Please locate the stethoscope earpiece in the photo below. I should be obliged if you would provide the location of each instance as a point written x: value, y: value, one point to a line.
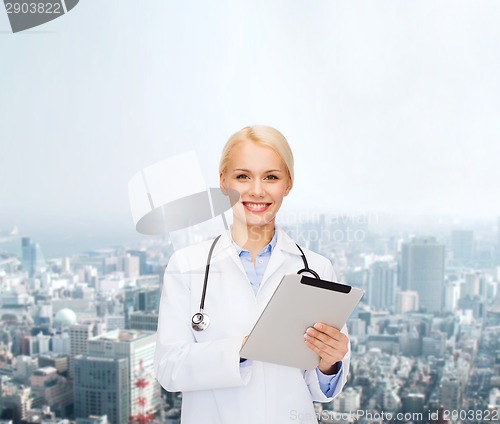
x: 200, y: 319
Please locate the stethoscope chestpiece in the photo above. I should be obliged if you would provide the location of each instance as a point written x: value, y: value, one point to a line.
x: 200, y: 321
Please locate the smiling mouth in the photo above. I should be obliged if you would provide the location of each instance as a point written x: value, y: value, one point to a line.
x: 256, y: 207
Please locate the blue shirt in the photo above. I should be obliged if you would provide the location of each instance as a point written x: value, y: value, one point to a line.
x: 255, y: 272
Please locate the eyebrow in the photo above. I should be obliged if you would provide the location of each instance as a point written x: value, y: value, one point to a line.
x: 266, y: 172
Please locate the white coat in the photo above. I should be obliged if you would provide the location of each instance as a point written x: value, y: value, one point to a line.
x: 205, y: 365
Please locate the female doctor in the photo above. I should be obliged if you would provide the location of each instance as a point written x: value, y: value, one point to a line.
x: 247, y: 263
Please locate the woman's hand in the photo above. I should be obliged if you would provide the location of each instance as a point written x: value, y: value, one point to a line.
x: 329, y: 343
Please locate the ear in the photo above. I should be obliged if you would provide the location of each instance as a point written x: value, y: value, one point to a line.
x: 222, y: 183
x: 289, y: 187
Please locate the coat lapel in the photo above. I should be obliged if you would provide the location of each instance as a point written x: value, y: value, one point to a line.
x: 278, y: 261
x: 224, y: 248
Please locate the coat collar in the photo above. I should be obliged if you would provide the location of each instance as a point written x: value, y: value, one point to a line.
x: 284, y: 243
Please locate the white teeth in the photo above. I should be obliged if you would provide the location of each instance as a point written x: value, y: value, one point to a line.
x: 256, y: 205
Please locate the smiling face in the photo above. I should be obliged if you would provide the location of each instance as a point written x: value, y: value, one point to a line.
x: 261, y: 178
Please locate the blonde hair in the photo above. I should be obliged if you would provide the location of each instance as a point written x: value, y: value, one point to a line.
x: 263, y: 136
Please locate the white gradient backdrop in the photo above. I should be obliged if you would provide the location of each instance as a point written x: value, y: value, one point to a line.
x: 390, y: 106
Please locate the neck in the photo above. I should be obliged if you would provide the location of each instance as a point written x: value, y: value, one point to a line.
x: 252, y: 238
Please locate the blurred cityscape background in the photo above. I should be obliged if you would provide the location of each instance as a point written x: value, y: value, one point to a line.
x: 393, y: 104
x: 77, y: 332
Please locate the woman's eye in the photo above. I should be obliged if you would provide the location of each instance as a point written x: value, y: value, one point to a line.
x: 272, y: 177
x: 241, y: 177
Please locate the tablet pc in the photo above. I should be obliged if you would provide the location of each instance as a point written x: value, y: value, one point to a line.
x: 298, y: 303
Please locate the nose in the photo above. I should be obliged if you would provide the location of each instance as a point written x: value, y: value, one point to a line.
x: 257, y: 189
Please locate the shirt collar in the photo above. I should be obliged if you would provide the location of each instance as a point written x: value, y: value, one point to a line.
x: 268, y: 248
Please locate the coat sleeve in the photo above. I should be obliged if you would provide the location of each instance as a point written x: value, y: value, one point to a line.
x: 181, y: 363
x: 311, y: 376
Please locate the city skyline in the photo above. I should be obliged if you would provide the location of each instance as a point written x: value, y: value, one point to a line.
x: 410, y: 357
x: 391, y: 109
x: 62, y: 242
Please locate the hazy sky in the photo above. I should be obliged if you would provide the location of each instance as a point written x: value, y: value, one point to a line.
x: 389, y: 106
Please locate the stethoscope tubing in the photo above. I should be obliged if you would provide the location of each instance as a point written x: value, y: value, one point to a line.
x: 200, y: 320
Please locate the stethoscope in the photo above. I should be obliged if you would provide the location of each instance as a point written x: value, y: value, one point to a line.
x: 201, y: 320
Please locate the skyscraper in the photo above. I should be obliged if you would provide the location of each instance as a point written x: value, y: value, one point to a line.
x: 138, y: 347
x: 101, y: 386
x: 28, y: 252
x: 32, y: 257
x: 422, y: 270
x: 450, y: 393
x: 79, y: 335
x: 382, y: 285
x: 462, y: 245
x: 142, y: 255
x: 146, y: 299
x: 451, y: 295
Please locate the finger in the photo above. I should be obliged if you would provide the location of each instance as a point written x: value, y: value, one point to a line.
x: 327, y: 338
x: 328, y: 347
x: 311, y: 333
x: 334, y: 349
x: 330, y: 355
x: 328, y: 329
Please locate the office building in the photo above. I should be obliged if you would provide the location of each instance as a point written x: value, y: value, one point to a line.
x: 382, y: 285
x: 57, y: 361
x: 25, y: 367
x: 142, y: 255
x: 422, y: 270
x: 451, y: 295
x: 101, y: 387
x: 65, y: 265
x: 386, y: 343
x: 130, y: 265
x: 114, y: 322
x: 43, y: 314
x: 61, y: 344
x: 410, y: 343
x: 51, y: 389
x: 138, y: 348
x: 450, y: 393
x: 348, y: 400
x: 413, y: 403
x: 144, y: 321
x: 29, y: 345
x: 32, y: 257
x: 43, y: 343
x: 494, y: 398
x: 390, y: 400
x: 79, y: 335
x: 472, y: 285
x: 462, y: 245
x: 16, y: 401
x: 434, y: 345
x: 406, y: 301
x: 146, y: 299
